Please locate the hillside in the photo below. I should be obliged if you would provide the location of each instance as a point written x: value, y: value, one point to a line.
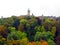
x: 30, y: 30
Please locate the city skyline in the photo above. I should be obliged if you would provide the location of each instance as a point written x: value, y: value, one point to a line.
x: 37, y: 7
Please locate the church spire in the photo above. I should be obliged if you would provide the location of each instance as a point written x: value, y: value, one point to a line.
x: 28, y: 12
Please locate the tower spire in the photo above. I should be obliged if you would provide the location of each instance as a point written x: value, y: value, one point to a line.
x: 28, y: 12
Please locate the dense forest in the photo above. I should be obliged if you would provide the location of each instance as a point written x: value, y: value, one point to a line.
x: 30, y: 30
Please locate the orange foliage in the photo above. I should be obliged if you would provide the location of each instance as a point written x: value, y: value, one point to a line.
x: 44, y: 43
x: 30, y: 43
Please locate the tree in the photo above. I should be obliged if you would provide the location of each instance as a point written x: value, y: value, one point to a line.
x: 33, y: 22
x: 57, y: 40
x: 16, y: 35
x: 11, y: 29
x: 42, y: 29
x: 14, y: 17
x: 24, y: 41
x: 39, y: 21
x: 58, y: 27
x: 53, y: 30
x: 16, y: 24
x: 39, y: 36
x: 49, y: 35
x: 43, y: 36
x: 2, y: 40
x: 21, y: 27
x: 48, y: 24
x: 29, y: 28
x: 8, y: 22
x: 51, y: 42
x: 1, y: 21
x: 38, y: 28
x: 3, y: 31
x: 38, y: 43
x: 23, y: 21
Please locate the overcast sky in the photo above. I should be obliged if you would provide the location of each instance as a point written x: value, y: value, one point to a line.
x: 37, y: 7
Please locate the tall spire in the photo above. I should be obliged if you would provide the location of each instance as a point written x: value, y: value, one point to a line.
x: 28, y: 12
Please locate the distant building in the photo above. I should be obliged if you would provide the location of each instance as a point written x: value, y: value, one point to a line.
x: 28, y: 14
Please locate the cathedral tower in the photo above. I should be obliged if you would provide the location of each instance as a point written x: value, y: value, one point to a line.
x: 28, y: 12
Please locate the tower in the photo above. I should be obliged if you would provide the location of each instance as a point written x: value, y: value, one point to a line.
x: 28, y: 12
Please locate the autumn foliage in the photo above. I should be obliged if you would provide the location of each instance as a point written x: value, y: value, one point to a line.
x: 30, y: 30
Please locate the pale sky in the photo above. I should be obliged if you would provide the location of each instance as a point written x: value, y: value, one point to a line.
x: 37, y: 7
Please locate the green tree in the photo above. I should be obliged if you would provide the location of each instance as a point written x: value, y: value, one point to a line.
x: 1, y: 21
x: 23, y: 21
x: 51, y: 42
x: 11, y: 29
x: 29, y: 28
x: 42, y: 29
x: 8, y: 22
x: 43, y: 36
x: 33, y: 22
x: 16, y: 35
x: 38, y: 28
x: 24, y: 41
x: 47, y: 24
x: 53, y: 30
